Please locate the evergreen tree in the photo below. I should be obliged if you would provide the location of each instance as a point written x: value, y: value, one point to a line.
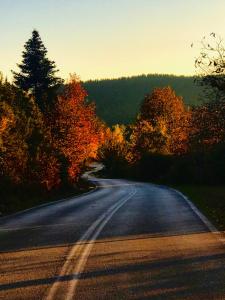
x: 37, y: 73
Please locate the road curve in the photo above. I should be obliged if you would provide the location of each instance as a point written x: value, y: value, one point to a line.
x: 125, y: 240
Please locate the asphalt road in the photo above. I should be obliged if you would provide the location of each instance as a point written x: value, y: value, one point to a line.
x: 125, y: 240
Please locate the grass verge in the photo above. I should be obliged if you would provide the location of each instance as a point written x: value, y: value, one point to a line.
x: 18, y: 198
x: 209, y: 199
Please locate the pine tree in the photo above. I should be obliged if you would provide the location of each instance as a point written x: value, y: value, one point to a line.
x: 37, y: 73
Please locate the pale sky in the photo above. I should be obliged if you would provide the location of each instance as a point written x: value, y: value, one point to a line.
x: 110, y: 38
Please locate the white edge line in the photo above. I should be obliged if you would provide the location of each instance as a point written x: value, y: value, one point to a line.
x: 206, y: 222
x: 201, y: 216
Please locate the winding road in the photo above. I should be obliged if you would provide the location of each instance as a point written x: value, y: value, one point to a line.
x: 124, y: 240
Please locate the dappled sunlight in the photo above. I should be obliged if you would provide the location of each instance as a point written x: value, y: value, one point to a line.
x: 143, y: 266
x: 28, y: 269
x: 129, y: 267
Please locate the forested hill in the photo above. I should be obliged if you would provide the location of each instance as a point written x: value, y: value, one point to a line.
x: 118, y: 100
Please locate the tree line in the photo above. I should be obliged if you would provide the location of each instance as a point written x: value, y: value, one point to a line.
x: 119, y: 100
x: 170, y: 142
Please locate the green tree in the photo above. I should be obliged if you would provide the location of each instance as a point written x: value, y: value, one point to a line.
x: 37, y: 73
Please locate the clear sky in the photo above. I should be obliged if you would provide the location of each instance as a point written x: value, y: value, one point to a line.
x: 110, y: 38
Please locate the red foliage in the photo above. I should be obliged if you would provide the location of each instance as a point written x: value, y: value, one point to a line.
x: 77, y: 132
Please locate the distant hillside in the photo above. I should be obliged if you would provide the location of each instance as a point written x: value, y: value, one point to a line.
x: 118, y: 100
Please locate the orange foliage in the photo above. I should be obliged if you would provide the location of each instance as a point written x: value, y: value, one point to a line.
x: 77, y: 130
x: 163, y: 124
x: 3, y: 124
x: 7, y: 118
x: 40, y: 149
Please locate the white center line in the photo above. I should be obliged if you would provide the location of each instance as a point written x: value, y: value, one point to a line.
x: 85, y: 249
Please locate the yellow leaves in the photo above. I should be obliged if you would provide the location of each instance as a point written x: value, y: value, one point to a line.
x: 162, y: 125
x: 117, y: 134
x: 115, y: 147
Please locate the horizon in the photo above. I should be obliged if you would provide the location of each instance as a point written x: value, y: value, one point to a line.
x: 140, y: 75
x: 104, y: 39
x: 118, y: 78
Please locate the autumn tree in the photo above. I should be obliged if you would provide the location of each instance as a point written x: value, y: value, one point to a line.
x: 46, y: 151
x: 37, y: 73
x: 115, y: 152
x: 162, y: 126
x: 147, y: 139
x: 27, y: 155
x: 75, y: 127
x: 13, y: 147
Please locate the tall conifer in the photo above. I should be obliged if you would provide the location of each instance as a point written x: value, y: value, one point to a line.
x: 37, y: 72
